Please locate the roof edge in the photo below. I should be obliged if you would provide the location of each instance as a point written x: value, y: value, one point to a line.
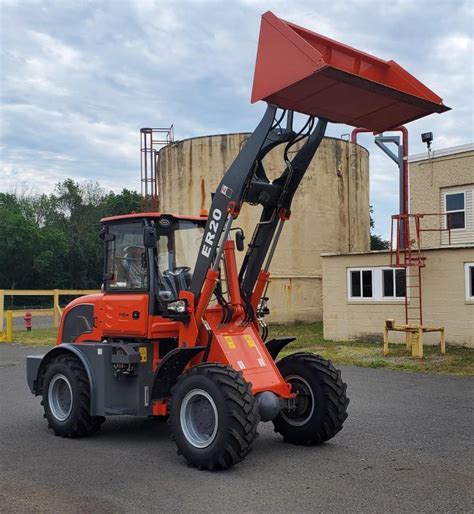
x: 443, y: 152
x: 463, y: 246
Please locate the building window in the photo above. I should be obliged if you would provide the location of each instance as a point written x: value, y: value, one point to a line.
x: 393, y: 283
x: 469, y: 280
x: 376, y: 284
x: 361, y: 283
x: 455, y: 208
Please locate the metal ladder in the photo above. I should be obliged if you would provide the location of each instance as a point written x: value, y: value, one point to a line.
x: 151, y: 141
x: 405, y: 252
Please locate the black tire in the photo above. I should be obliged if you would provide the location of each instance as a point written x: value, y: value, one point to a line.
x: 321, y: 402
x: 213, y: 416
x: 66, y: 379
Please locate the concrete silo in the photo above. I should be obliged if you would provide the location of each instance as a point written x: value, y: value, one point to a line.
x: 330, y: 211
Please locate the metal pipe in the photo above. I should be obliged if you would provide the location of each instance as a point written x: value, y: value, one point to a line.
x: 224, y: 237
x: 289, y: 120
x: 274, y: 243
x: 405, y: 191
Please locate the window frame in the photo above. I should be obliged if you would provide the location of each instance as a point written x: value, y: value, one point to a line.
x: 394, y: 275
x: 468, y: 266
x: 360, y: 298
x: 446, y: 212
x: 377, y: 285
x: 111, y: 290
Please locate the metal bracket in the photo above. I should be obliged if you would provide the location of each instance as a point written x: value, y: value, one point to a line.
x: 381, y: 141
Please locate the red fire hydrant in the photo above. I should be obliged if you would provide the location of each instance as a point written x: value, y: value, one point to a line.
x: 28, y: 321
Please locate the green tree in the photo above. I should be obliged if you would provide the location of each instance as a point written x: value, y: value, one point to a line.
x: 376, y: 241
x: 125, y: 202
x: 52, y: 241
x: 18, y: 242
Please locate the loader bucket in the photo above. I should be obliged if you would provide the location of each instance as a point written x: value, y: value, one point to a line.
x: 300, y: 70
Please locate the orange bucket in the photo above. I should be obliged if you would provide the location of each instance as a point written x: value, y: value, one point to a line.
x: 302, y: 71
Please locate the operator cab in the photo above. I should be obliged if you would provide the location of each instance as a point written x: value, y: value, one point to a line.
x: 151, y: 252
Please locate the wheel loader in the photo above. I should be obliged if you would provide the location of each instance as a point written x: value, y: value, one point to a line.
x: 178, y: 329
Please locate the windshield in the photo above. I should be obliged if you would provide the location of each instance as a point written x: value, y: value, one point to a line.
x: 177, y: 251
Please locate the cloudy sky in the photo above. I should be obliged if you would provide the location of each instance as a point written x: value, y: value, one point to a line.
x: 79, y: 78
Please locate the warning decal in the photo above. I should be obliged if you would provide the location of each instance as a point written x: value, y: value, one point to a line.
x: 249, y: 340
x: 230, y: 342
x: 143, y: 353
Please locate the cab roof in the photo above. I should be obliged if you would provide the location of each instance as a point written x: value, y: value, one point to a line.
x: 143, y: 215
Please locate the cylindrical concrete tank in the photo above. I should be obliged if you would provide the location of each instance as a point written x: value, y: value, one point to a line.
x: 330, y: 210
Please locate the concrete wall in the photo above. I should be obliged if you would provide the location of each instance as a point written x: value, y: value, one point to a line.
x: 449, y: 170
x: 443, y: 294
x: 330, y: 211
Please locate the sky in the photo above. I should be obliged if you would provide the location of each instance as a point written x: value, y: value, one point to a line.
x: 79, y: 78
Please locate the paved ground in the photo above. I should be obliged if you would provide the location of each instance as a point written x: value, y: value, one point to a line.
x: 406, y: 446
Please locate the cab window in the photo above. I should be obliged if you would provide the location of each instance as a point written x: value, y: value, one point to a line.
x: 126, y: 258
x: 177, y: 250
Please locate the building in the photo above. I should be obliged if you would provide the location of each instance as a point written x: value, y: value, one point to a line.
x: 330, y: 212
x: 361, y: 290
x: 444, y: 184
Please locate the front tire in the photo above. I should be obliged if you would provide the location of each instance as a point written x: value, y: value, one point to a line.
x: 321, y: 402
x: 213, y: 416
x: 66, y: 399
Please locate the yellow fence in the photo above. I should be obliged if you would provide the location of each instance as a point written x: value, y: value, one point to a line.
x: 55, y: 311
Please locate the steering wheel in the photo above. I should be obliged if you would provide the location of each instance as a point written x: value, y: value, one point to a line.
x: 178, y: 270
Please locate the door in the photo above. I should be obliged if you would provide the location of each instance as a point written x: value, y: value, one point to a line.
x: 124, y: 309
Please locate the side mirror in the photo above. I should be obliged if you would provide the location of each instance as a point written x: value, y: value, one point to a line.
x: 105, y: 236
x: 149, y: 237
x: 239, y: 240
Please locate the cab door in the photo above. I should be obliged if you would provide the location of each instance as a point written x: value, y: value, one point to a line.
x: 125, y: 306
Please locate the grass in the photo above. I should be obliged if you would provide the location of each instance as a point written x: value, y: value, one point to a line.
x: 457, y: 361
x: 38, y: 336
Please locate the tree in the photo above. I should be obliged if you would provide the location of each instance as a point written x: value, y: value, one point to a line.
x: 125, y: 202
x: 19, y: 240
x: 52, y: 241
x: 376, y: 241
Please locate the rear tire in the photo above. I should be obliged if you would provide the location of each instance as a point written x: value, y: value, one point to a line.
x: 213, y: 416
x: 66, y: 399
x: 321, y: 402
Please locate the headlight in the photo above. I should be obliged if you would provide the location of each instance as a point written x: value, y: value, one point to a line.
x: 178, y: 306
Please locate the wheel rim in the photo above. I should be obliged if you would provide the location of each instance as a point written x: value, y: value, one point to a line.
x: 304, y: 400
x: 60, y: 397
x: 199, y: 418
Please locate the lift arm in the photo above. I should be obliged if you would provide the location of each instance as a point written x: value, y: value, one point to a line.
x: 231, y: 193
x: 246, y: 181
x: 276, y: 211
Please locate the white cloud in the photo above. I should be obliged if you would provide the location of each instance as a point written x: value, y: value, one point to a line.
x: 80, y: 78
x: 55, y: 50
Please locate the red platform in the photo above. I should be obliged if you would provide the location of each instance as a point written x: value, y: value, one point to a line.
x: 303, y: 71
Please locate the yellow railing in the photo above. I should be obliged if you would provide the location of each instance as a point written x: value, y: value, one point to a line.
x: 7, y: 336
x: 55, y: 311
